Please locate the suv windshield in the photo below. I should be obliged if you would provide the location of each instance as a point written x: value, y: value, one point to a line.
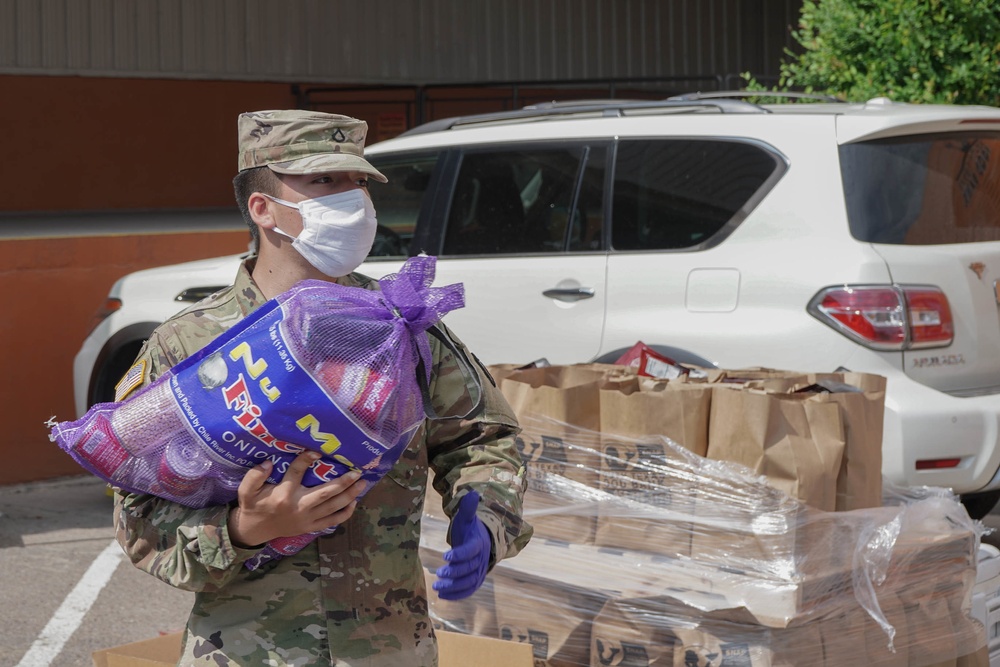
x: 924, y: 190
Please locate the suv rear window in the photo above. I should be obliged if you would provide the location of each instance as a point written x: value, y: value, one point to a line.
x: 923, y: 190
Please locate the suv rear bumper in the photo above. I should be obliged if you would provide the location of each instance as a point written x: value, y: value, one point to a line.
x: 922, y: 423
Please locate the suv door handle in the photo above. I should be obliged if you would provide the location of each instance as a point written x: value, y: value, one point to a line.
x: 569, y: 294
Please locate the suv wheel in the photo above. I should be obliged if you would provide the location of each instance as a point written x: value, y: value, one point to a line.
x: 978, y: 505
x: 675, y: 353
x: 111, y: 370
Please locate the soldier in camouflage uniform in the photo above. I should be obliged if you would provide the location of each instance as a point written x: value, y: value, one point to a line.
x: 357, y: 596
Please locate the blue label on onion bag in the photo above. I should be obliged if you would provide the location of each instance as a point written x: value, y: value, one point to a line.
x: 251, y: 400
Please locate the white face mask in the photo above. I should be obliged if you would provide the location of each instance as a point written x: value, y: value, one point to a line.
x: 337, y: 231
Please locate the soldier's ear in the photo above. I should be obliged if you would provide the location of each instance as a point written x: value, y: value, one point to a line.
x: 260, y: 210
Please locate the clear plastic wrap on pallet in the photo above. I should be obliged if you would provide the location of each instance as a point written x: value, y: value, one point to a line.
x: 680, y: 560
x: 322, y: 366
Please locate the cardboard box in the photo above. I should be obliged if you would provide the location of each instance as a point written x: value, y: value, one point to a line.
x: 751, y: 528
x: 474, y: 615
x: 626, y: 633
x: 661, y: 632
x: 162, y: 651
x: 558, y: 406
x: 555, y: 620
x: 555, y: 504
x: 651, y: 500
x: 454, y: 650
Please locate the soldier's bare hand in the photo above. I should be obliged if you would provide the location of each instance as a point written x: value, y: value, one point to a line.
x: 267, y: 511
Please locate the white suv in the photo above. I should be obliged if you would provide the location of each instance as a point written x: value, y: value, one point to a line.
x: 808, y: 237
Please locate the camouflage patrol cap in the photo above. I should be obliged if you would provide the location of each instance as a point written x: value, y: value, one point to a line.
x: 296, y: 141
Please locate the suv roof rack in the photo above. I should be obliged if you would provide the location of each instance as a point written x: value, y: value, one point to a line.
x: 739, y: 94
x: 606, y: 108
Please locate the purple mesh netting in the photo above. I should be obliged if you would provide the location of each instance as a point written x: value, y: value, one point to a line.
x: 361, y: 350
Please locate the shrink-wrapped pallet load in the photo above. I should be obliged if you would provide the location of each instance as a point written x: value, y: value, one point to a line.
x: 560, y: 473
x: 708, y: 562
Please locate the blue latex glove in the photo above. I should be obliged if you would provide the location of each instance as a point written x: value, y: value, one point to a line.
x: 469, y: 557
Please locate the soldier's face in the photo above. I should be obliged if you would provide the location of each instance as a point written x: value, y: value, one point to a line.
x: 310, y: 186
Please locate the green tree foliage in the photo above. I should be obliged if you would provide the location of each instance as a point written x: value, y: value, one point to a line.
x: 944, y: 51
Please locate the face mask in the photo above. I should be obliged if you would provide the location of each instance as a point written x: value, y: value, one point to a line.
x: 337, y: 231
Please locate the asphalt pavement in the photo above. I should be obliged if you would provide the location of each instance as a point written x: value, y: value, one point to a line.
x: 51, y: 535
x: 68, y: 590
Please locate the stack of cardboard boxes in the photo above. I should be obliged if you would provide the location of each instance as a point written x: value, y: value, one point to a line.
x: 732, y: 519
x: 454, y: 650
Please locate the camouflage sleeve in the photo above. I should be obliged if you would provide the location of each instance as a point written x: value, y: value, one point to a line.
x: 184, y: 547
x: 477, y: 452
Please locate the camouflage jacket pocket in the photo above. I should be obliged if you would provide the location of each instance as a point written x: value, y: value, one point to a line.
x: 410, y: 471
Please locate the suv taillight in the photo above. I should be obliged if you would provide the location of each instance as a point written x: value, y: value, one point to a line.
x: 930, y: 317
x: 887, y: 317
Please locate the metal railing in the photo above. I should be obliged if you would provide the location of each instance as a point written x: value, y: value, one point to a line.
x: 419, y: 100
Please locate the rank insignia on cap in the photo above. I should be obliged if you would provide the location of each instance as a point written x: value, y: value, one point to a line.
x: 130, y: 380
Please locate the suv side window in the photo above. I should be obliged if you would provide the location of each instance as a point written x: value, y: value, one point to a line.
x: 513, y: 201
x: 587, y: 228
x: 398, y: 202
x: 679, y: 193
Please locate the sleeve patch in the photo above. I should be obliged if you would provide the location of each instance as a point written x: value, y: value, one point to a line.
x: 130, y: 380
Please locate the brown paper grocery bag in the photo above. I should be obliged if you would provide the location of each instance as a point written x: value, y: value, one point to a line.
x: 564, y: 393
x: 500, y: 371
x: 859, y: 483
x: 557, y: 450
x: 861, y: 397
x: 639, y: 407
x: 796, y: 441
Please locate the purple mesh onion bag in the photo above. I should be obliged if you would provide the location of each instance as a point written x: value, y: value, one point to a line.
x: 336, y: 369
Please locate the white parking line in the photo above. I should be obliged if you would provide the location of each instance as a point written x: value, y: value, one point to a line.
x: 70, y: 613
